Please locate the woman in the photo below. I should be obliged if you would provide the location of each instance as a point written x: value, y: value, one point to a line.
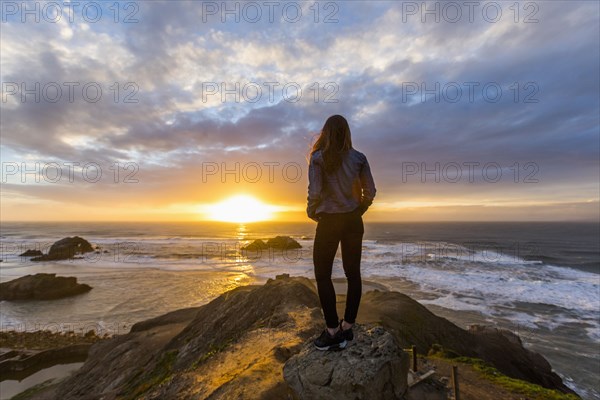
x: 340, y: 190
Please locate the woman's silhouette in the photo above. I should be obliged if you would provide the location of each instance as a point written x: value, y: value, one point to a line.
x: 340, y: 190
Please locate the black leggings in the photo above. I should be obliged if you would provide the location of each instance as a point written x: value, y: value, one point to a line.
x: 332, y: 229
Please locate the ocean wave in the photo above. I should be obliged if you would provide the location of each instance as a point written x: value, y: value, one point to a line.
x: 463, y: 278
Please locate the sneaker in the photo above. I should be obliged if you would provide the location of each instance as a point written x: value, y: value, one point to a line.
x: 346, y: 333
x: 328, y: 342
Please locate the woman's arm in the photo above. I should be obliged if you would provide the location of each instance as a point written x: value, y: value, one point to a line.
x: 368, y: 187
x: 315, y: 185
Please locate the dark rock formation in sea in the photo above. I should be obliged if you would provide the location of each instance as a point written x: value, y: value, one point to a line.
x: 372, y: 366
x: 278, y: 243
x: 31, y: 253
x: 236, y: 346
x: 65, y: 249
x: 257, y: 245
x: 41, y: 287
x: 283, y: 243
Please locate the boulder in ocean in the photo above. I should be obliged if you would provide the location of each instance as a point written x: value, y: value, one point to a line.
x: 31, y: 253
x: 255, y: 246
x: 283, y: 243
x: 66, y: 248
x: 373, y: 366
x: 278, y: 243
x: 41, y: 287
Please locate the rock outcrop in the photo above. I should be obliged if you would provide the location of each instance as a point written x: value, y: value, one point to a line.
x: 65, y: 249
x: 283, y: 243
x: 31, y: 253
x: 413, y: 324
x: 256, y: 245
x: 373, y: 366
x: 255, y: 342
x: 41, y: 287
x: 231, y: 348
x: 277, y: 243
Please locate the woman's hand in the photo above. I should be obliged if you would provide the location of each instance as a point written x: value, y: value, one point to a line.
x: 315, y: 217
x: 361, y: 209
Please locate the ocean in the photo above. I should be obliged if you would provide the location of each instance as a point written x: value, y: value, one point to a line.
x: 538, y: 279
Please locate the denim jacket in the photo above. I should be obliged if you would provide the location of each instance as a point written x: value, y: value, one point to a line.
x: 349, y: 187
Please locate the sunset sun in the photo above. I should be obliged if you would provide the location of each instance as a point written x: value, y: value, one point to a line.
x: 241, y: 208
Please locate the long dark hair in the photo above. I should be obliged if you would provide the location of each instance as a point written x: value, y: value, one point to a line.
x: 333, y: 141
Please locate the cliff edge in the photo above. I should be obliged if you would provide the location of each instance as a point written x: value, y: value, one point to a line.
x: 236, y: 346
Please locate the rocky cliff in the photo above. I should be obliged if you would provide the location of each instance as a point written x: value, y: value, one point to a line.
x: 236, y: 346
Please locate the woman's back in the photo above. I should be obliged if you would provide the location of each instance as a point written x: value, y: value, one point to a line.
x: 347, y: 187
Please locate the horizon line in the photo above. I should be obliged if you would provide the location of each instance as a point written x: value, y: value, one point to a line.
x: 307, y: 221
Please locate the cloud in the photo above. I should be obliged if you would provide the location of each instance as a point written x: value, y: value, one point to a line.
x: 372, y: 57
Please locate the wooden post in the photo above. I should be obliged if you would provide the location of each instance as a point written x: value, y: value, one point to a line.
x: 414, y: 358
x: 455, y: 382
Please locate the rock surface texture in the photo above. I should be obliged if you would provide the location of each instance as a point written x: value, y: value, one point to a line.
x: 373, y: 366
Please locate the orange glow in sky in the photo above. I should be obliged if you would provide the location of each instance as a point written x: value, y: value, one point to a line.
x: 240, y: 208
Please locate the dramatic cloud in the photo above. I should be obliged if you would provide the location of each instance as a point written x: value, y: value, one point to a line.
x: 492, y: 113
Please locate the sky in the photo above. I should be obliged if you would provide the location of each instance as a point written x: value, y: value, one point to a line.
x: 158, y: 110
